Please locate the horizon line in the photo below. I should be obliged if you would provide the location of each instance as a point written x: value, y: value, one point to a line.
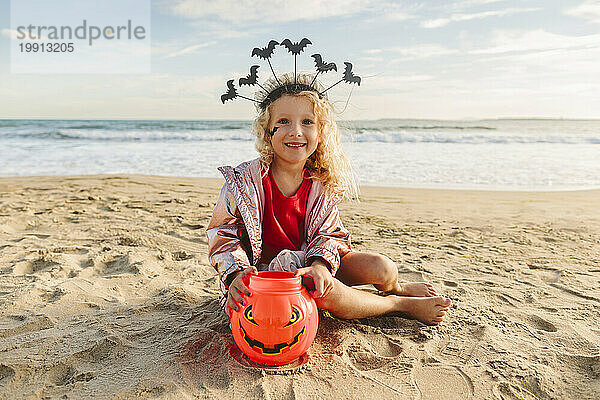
x: 366, y: 119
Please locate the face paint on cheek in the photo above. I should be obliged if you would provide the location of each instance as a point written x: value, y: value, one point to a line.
x: 273, y: 131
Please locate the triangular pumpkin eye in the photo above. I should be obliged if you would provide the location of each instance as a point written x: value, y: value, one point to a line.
x: 295, y: 317
x: 248, y: 315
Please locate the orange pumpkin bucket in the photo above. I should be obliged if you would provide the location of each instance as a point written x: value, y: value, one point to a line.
x: 280, y: 320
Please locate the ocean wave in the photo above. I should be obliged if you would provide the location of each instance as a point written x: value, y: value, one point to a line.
x: 88, y: 127
x: 132, y: 135
x: 381, y: 131
x: 127, y: 125
x: 466, y: 138
x: 364, y: 136
x: 422, y: 127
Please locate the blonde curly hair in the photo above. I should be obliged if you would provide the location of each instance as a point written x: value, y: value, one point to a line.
x: 327, y: 164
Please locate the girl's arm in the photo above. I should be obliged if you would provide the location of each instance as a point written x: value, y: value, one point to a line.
x: 329, y: 242
x: 226, y: 236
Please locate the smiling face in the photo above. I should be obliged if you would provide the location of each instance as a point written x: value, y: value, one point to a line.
x: 296, y: 136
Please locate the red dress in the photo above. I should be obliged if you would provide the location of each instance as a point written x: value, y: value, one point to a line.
x: 283, y: 219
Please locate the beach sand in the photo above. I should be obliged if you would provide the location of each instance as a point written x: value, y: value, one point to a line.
x: 106, y: 291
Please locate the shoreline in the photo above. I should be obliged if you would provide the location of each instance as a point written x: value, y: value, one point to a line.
x: 458, y: 188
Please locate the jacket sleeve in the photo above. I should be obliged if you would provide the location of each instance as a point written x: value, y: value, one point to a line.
x: 331, y: 241
x: 226, y: 239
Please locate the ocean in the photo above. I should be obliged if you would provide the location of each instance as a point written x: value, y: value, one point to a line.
x: 502, y: 154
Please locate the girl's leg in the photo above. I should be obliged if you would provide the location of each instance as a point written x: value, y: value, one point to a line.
x: 358, y: 268
x: 346, y: 302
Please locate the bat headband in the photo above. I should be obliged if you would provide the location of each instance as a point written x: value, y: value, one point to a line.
x: 269, y: 95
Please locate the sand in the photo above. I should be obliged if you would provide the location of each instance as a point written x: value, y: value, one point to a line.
x: 106, y: 291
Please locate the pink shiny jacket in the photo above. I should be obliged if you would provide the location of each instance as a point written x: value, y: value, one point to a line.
x: 235, y: 229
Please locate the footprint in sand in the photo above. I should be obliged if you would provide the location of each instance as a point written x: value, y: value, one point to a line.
x: 541, y: 324
x: 65, y: 374
x: 442, y: 382
x: 462, y: 350
x: 107, y: 348
x: 25, y: 324
x: 53, y: 296
x: 121, y: 265
x: 6, y: 374
x: 380, y: 359
x: 586, y: 364
x: 38, y: 265
x: 51, y: 261
x: 372, y: 352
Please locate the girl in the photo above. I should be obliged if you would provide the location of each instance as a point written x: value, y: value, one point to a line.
x: 279, y: 212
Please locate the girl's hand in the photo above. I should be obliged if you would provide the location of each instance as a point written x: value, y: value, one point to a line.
x: 321, y: 277
x: 238, y: 289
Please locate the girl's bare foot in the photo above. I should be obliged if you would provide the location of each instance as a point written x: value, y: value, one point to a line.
x: 417, y: 289
x: 413, y: 289
x: 428, y: 310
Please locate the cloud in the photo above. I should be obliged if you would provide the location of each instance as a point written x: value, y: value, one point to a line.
x: 589, y: 10
x: 268, y: 11
x: 189, y: 49
x: 470, y: 3
x: 10, y: 33
x: 420, y: 51
x: 415, y: 52
x: 541, y: 64
x: 395, y: 16
x: 399, y: 16
x: 439, y: 22
x: 507, y: 41
x: 370, y: 59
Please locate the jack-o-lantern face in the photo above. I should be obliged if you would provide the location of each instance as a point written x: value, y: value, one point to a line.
x: 279, y: 347
x: 276, y: 327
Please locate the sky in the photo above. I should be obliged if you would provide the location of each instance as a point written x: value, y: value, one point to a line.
x: 455, y: 59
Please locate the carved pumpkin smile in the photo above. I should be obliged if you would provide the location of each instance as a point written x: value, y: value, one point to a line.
x: 271, y: 351
x: 279, y: 347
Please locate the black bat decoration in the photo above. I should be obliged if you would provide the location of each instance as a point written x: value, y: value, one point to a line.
x: 231, y: 92
x: 266, y: 52
x: 349, y: 76
x: 251, y: 78
x: 321, y: 66
x: 296, y: 48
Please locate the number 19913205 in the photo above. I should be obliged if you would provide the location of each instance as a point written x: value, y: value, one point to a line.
x: 46, y: 47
